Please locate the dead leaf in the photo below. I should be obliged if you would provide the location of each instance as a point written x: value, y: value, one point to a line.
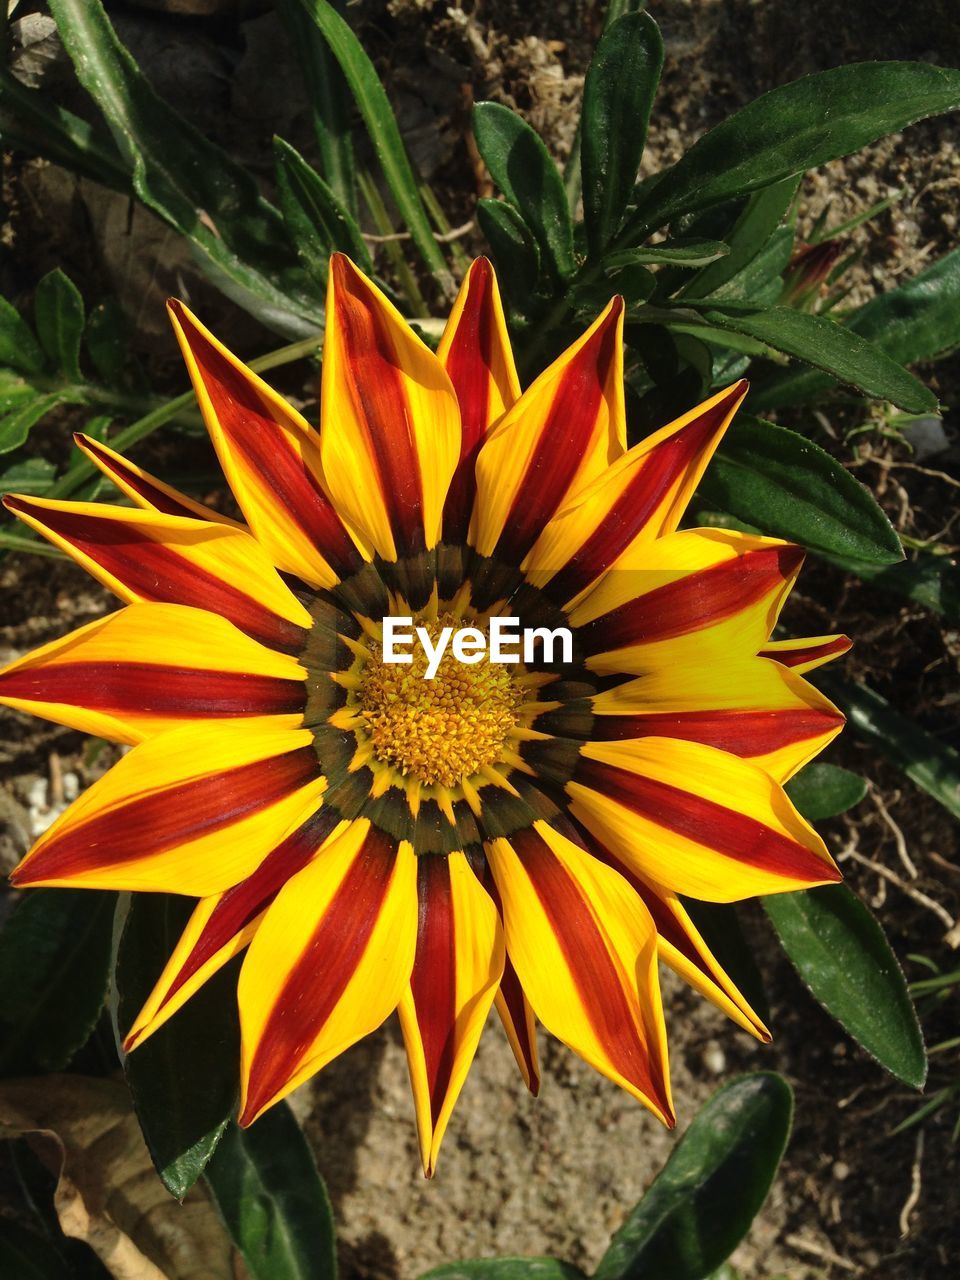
x: 108, y: 1192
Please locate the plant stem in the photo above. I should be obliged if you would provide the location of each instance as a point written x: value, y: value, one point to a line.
x: 378, y: 211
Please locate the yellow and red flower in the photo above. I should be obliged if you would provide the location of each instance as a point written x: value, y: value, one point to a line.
x: 523, y: 836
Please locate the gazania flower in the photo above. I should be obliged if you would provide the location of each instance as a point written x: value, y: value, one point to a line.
x: 522, y: 835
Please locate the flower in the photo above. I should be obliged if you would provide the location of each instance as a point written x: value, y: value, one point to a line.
x: 522, y: 835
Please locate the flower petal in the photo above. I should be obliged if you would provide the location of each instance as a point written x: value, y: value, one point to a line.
x: 146, y: 556
x: 391, y: 426
x: 328, y: 964
x: 271, y: 456
x: 692, y: 594
x: 565, y: 429
x: 191, y: 811
x: 513, y: 1006
x: 807, y: 653
x: 456, y: 973
x: 696, y: 820
x: 222, y: 925
x: 121, y: 678
x: 640, y: 497
x: 475, y: 351
x: 143, y: 488
x: 584, y: 947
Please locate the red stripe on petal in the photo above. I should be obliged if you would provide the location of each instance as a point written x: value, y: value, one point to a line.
x: 379, y: 395
x: 158, y: 573
x: 433, y: 982
x: 817, y: 653
x: 638, y: 503
x: 171, y: 816
x: 468, y: 367
x: 321, y: 974
x: 149, y: 687
x: 692, y: 603
x: 594, y: 970
x: 252, y: 431
x: 158, y: 498
x: 725, y: 831
x: 563, y: 441
x: 742, y: 733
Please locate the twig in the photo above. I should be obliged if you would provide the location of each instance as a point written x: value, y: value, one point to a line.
x: 56, y: 779
x: 815, y: 1250
x: 441, y: 237
x: 916, y: 1183
x: 897, y: 834
x: 941, y: 912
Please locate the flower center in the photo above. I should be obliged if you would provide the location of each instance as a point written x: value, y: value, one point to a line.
x: 441, y: 730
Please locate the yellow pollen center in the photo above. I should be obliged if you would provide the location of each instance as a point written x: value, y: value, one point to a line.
x: 440, y: 730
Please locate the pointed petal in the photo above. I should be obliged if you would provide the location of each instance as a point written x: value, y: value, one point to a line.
x: 143, y: 488
x: 191, y: 811
x: 222, y: 925
x: 328, y: 964
x: 565, y: 429
x: 146, y: 556
x: 391, y: 425
x: 747, y: 706
x: 475, y: 351
x: 806, y: 654
x: 691, y: 594
x: 456, y: 972
x: 639, y: 498
x: 584, y: 947
x: 513, y: 1006
x: 696, y: 821
x: 121, y: 678
x: 271, y: 456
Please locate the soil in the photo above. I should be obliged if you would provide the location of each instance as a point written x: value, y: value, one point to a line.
x: 557, y: 1175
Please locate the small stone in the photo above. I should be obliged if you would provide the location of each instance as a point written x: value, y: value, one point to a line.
x: 714, y: 1059
x: 841, y: 1171
x: 71, y: 785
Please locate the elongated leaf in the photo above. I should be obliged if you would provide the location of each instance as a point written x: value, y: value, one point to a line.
x: 797, y: 127
x: 759, y: 281
x: 59, y: 314
x: 763, y: 214
x: 618, y: 95
x: 318, y: 223
x: 184, y: 1079
x: 685, y: 253
x: 921, y: 756
x: 378, y: 116
x: 16, y: 425
x: 54, y: 971
x: 18, y: 347
x: 330, y: 98
x: 822, y: 342
x: 521, y: 167
x: 107, y: 341
x: 930, y: 580
x: 822, y: 791
x: 843, y: 956
x: 919, y: 320
x: 186, y: 179
x: 791, y: 488
x: 702, y: 1203
x: 513, y: 249
x: 506, y: 1269
x: 32, y: 475
x: 266, y: 1186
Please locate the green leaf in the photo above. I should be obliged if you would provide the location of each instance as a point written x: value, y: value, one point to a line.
x: 184, y: 1079
x: 797, y: 127
x: 330, y: 99
x: 18, y: 347
x: 758, y: 221
x: 318, y: 223
x: 701, y: 1205
x: 823, y: 791
x: 919, y: 320
x: 929, y: 580
x: 521, y: 167
x: 506, y: 1269
x: 59, y: 314
x: 32, y: 476
x: 513, y: 249
x: 684, y: 253
x: 54, y: 972
x: 618, y: 94
x: 822, y: 342
x: 273, y: 1201
x: 759, y: 281
x: 107, y: 341
x: 186, y: 179
x: 791, y: 488
x: 843, y: 956
x: 921, y: 756
x: 374, y: 105
x: 16, y: 426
